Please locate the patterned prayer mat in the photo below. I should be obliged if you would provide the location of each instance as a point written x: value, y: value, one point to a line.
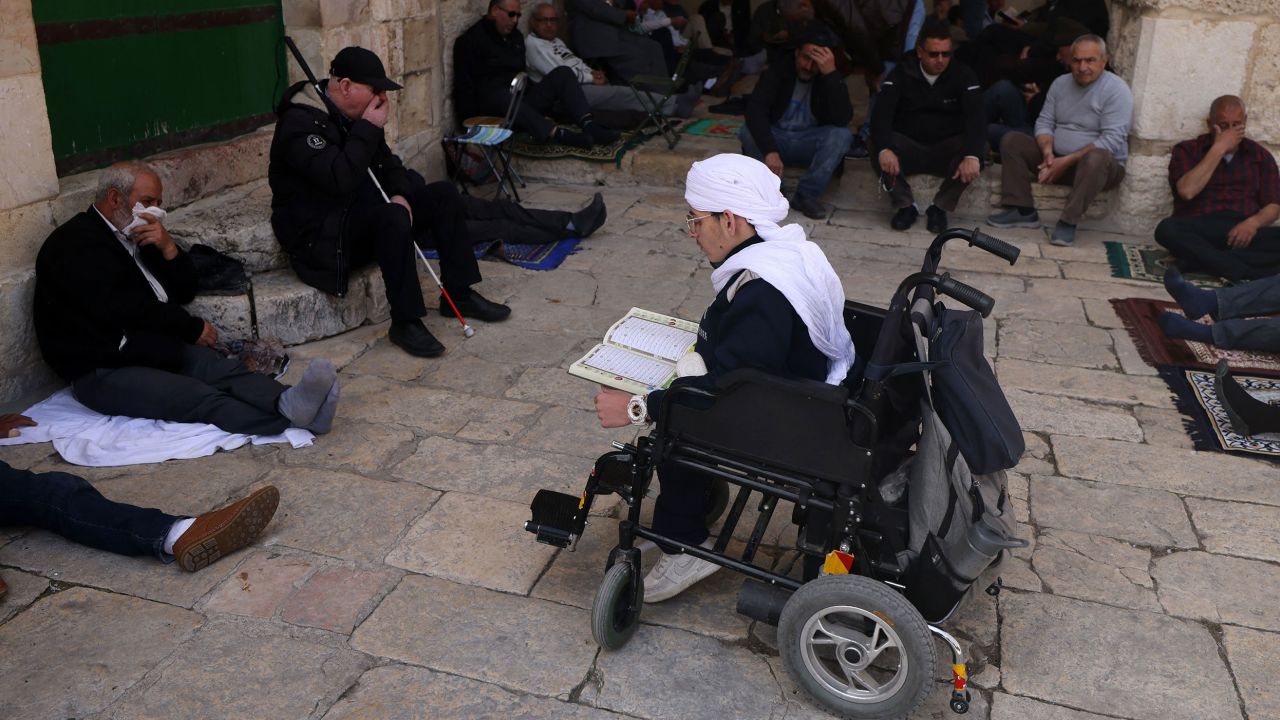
x: 1141, y: 319
x: 1206, y: 420
x: 524, y: 145
x: 1148, y: 262
x: 715, y: 127
x: 534, y: 256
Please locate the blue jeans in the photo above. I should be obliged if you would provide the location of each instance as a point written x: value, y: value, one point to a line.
x: 1006, y: 111
x: 69, y: 506
x: 819, y: 149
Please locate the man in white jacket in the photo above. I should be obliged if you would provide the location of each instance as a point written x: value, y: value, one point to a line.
x: 545, y: 51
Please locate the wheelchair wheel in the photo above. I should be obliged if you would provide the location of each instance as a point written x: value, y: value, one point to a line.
x: 614, y: 617
x: 858, y: 647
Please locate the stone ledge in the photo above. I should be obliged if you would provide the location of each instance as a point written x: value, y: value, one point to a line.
x: 236, y: 222
x: 22, y: 369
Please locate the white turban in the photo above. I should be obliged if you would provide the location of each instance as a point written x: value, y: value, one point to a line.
x: 786, y: 260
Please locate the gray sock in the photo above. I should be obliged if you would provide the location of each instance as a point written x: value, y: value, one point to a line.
x: 301, y: 402
x: 324, y: 418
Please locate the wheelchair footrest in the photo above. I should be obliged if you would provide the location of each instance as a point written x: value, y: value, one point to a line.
x: 555, y: 518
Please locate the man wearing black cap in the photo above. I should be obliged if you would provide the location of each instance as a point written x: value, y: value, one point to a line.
x: 330, y: 216
x: 798, y: 115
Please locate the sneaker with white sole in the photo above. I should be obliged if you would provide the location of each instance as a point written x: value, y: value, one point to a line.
x: 674, y: 574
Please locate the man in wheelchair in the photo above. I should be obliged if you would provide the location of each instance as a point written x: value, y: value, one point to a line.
x: 778, y: 309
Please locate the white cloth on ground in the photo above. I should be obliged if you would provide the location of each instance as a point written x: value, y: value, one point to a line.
x: 85, y: 437
x: 786, y: 259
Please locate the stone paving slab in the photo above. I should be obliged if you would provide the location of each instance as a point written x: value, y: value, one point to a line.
x: 24, y: 588
x: 1098, y: 386
x: 1067, y: 416
x: 691, y: 668
x: 354, y: 446
x: 1199, y: 474
x: 1112, y: 661
x: 474, y: 540
x: 518, y: 643
x: 145, y: 577
x: 342, y: 515
x: 1147, y: 517
x: 1237, y: 528
x: 228, y: 659
x: 259, y: 585
x: 1089, y: 567
x: 1013, y: 707
x: 401, y: 692
x: 1254, y: 657
x: 1163, y: 426
x: 494, y: 471
x: 1056, y: 344
x: 1219, y: 589
x: 75, y: 652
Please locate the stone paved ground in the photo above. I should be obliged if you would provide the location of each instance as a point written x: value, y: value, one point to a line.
x: 396, y: 580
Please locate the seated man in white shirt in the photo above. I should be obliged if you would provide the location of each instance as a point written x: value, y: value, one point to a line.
x: 545, y: 51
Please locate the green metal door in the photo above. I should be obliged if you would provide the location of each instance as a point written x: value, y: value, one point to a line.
x: 128, y: 78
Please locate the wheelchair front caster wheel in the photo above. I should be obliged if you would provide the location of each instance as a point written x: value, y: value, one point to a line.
x: 615, y: 614
x: 960, y: 706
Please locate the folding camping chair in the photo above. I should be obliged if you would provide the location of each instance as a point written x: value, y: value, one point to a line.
x: 492, y: 137
x: 667, y: 86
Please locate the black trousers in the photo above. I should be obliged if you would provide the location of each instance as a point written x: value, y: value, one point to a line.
x: 69, y: 506
x: 209, y: 388
x: 557, y: 94
x: 1237, y: 327
x: 506, y: 220
x: 939, y: 159
x: 683, y: 502
x: 1200, y: 245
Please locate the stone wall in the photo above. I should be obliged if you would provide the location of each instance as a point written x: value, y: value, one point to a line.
x: 413, y: 37
x: 1178, y: 55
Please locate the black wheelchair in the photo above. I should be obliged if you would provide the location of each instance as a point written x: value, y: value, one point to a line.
x: 881, y: 567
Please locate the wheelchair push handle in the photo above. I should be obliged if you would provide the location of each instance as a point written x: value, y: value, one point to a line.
x: 967, y: 294
x: 995, y: 246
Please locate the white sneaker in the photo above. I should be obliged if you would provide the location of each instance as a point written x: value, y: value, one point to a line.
x: 674, y: 574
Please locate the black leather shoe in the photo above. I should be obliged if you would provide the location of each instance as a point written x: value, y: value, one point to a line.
x: 414, y: 338
x: 590, y: 218
x: 476, y: 307
x: 600, y: 134
x: 809, y: 207
x: 936, y: 219
x: 904, y: 218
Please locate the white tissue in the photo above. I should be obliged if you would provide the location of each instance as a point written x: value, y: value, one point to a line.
x: 157, y: 213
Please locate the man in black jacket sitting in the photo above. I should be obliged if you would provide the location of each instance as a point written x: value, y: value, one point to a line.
x: 798, y: 116
x: 490, y: 53
x: 109, y: 319
x: 928, y: 118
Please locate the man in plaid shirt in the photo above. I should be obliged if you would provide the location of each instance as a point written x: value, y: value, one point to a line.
x: 1226, y: 196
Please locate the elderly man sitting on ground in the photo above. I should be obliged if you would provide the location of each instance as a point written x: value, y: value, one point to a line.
x: 110, y: 285
x: 1226, y: 195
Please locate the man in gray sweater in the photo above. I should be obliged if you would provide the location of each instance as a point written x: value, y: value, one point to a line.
x: 1081, y: 140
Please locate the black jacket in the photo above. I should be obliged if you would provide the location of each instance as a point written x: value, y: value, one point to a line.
x: 90, y: 294
x: 758, y: 329
x: 742, y: 44
x: 483, y: 61
x: 926, y: 113
x: 319, y: 163
x: 828, y: 101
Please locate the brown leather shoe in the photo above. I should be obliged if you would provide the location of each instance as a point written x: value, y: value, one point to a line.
x: 224, y: 531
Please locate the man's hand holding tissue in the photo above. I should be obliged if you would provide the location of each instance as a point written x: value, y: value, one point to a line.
x: 153, y: 233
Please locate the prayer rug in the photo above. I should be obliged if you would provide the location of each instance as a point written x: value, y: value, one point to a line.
x: 1148, y: 262
x: 1206, y: 420
x: 1141, y: 319
x: 715, y: 127
x: 534, y: 256
x: 524, y: 145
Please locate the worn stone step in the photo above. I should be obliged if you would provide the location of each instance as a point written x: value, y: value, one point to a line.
x: 237, y: 222
x: 286, y: 308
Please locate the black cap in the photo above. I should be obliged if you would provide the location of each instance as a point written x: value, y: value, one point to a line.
x: 363, y: 67
x: 816, y: 33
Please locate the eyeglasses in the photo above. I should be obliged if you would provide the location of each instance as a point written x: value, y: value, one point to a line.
x: 692, y: 221
x: 514, y: 14
x: 935, y: 54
